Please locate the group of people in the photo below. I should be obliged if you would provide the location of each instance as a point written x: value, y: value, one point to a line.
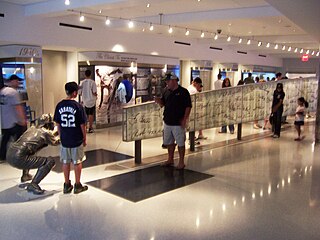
x: 71, y: 119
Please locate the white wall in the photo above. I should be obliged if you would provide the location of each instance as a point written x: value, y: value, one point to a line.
x: 54, y: 78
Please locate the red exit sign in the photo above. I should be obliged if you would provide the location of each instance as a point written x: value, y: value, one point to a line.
x: 305, y: 58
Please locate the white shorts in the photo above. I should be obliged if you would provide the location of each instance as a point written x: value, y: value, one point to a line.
x: 75, y: 155
x: 174, y: 133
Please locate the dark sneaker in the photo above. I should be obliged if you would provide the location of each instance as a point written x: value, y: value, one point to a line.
x: 67, y: 187
x: 26, y: 177
x: 78, y: 188
x: 35, y: 189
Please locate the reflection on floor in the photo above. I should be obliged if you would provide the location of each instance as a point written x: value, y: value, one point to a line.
x: 95, y: 158
x: 263, y: 188
x: 149, y: 182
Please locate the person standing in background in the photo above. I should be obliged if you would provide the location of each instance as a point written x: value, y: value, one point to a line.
x: 196, y: 87
x: 71, y: 121
x: 226, y: 83
x: 299, y: 117
x: 249, y: 79
x: 88, y: 92
x: 218, y: 82
x: 277, y: 109
x: 14, y: 121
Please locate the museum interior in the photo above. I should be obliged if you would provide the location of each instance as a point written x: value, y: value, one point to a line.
x: 241, y: 179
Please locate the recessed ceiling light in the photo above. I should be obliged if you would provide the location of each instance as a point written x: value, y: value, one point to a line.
x: 100, y: 11
x: 268, y: 45
x: 308, y: 51
x: 249, y: 42
x: 151, y: 27
x: 229, y: 39
x: 216, y: 37
x: 259, y: 43
x: 148, y: 5
x: 202, y: 34
x: 301, y: 51
x: 276, y: 46
x: 283, y: 48
x: 107, y: 21
x: 187, y: 32
x: 170, y: 30
x: 318, y: 54
x: 67, y: 2
x: 130, y: 24
x: 240, y: 40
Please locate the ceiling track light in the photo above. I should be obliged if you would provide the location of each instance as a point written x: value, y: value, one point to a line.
x: 81, y: 17
x: 229, y: 39
x: 259, y: 43
x: 283, y: 48
x: 216, y: 36
x: 268, y: 45
x: 296, y: 50
x: 249, y: 42
x: 67, y: 2
x: 148, y: 5
x: 187, y: 32
x: 289, y: 49
x: 240, y: 40
x: 308, y: 51
x: 312, y: 53
x: 107, y: 21
x: 151, y: 27
x: 301, y: 51
x: 276, y: 46
x: 170, y: 30
x: 202, y: 34
x: 318, y: 53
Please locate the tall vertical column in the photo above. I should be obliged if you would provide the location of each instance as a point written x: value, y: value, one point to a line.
x: 317, y: 127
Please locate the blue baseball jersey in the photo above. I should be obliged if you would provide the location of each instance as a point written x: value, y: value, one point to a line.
x: 70, y: 115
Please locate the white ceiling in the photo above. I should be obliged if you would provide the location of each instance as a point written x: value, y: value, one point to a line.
x: 285, y: 22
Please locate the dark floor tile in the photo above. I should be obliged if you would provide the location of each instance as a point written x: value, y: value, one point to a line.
x: 94, y: 158
x: 145, y: 183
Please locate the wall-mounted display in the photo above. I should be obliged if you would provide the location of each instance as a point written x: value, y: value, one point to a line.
x: 113, y: 84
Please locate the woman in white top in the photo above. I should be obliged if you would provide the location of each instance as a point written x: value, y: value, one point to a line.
x: 299, y: 118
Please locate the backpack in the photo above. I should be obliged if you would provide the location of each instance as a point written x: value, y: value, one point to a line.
x: 129, y: 89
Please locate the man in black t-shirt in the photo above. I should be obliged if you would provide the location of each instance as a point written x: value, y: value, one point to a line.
x: 277, y: 109
x: 177, y: 106
x: 71, y: 121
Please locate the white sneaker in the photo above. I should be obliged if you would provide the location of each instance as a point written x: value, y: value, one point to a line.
x: 275, y: 136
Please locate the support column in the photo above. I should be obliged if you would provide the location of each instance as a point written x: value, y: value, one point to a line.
x: 317, y: 127
x: 137, y: 152
x: 192, y: 141
x: 239, y: 132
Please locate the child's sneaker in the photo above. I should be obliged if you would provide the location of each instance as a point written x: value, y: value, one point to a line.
x: 67, y: 187
x: 78, y: 188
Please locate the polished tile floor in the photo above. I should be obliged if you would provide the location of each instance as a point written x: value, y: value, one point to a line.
x: 259, y: 188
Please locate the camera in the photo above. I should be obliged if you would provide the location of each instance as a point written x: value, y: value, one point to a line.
x: 219, y: 31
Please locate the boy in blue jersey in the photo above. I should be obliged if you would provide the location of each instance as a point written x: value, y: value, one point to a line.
x: 71, y: 121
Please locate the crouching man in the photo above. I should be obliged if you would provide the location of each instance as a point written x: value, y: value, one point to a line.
x: 21, y: 154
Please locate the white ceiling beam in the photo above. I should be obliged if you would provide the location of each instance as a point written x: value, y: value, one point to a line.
x: 303, y: 13
x: 52, y: 7
x: 222, y: 14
